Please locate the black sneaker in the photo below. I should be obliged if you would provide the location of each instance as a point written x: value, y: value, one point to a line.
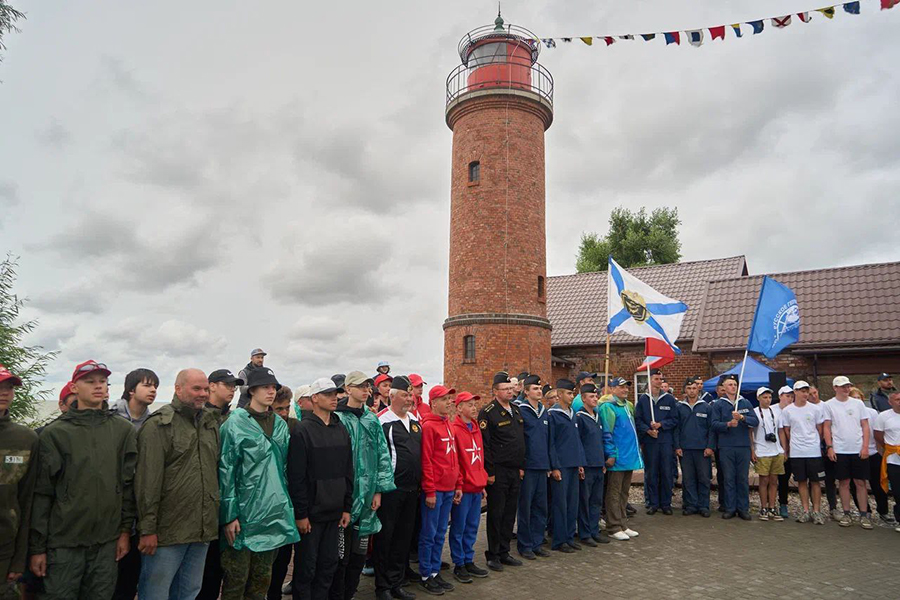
x: 462, y: 575
x: 444, y: 584
x: 431, y: 586
x: 475, y: 571
x: 402, y: 594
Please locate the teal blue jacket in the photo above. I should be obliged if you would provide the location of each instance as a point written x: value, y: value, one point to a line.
x: 620, y: 439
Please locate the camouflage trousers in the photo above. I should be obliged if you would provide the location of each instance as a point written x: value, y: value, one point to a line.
x: 246, y: 574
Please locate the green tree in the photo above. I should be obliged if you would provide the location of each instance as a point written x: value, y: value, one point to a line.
x: 29, y: 363
x: 633, y: 240
x: 8, y: 18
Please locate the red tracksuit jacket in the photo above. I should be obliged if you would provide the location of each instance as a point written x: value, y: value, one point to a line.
x: 470, y: 452
x: 440, y: 467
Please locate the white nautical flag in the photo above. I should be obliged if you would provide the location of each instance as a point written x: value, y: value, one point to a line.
x: 636, y: 308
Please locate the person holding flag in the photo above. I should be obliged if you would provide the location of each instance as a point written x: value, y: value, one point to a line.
x: 656, y: 418
x: 732, y: 417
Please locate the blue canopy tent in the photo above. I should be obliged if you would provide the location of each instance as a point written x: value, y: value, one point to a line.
x: 756, y: 375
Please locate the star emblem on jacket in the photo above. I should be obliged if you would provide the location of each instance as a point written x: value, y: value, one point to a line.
x: 475, y: 450
x: 451, y: 447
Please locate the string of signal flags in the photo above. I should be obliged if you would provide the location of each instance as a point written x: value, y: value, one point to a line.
x: 695, y: 37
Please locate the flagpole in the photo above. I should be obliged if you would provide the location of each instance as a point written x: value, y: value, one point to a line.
x: 606, y: 365
x: 741, y: 377
x: 650, y: 394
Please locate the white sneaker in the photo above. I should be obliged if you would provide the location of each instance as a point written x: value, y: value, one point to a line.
x: 631, y: 533
x: 897, y: 529
x: 287, y: 588
x: 623, y: 537
x: 602, y: 523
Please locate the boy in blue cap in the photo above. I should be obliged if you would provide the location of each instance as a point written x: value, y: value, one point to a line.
x: 656, y: 417
x: 567, y: 467
x: 694, y: 444
x: 590, y: 431
x: 533, y: 494
x: 732, y: 418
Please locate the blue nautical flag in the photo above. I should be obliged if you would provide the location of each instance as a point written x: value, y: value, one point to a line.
x: 776, y: 324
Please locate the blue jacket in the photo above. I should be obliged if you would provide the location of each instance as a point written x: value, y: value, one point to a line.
x: 537, y: 436
x: 565, y: 444
x: 694, y: 427
x: 665, y: 411
x: 590, y: 430
x: 619, y: 436
x: 733, y: 437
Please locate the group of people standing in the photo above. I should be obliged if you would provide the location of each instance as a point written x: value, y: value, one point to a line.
x: 198, y: 499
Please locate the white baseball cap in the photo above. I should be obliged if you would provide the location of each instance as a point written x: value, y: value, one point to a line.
x: 303, y: 391
x: 839, y: 381
x: 799, y: 385
x: 785, y: 389
x: 763, y: 390
x: 321, y: 385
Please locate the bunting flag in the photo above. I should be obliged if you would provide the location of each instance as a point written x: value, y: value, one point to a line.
x: 781, y: 22
x: 695, y: 37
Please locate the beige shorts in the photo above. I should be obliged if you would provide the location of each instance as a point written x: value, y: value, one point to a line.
x: 769, y: 465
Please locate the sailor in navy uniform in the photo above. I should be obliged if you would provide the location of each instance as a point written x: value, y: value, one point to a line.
x: 656, y: 427
x: 590, y: 430
x: 732, y: 417
x: 695, y: 443
x: 504, y: 460
x: 567, y: 467
x: 533, y: 497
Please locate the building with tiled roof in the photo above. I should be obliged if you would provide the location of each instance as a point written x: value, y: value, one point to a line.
x: 850, y: 321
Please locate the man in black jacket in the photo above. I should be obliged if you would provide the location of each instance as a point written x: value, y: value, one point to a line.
x: 398, y: 508
x: 257, y: 358
x: 320, y: 481
x: 878, y: 399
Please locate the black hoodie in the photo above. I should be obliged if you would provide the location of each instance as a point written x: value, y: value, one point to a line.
x: 320, y: 469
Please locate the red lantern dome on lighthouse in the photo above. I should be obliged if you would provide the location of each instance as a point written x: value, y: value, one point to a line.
x: 499, y: 104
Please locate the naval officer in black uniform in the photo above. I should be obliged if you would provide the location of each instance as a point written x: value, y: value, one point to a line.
x: 502, y: 431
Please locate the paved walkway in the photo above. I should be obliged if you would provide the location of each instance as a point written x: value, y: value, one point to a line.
x: 695, y: 558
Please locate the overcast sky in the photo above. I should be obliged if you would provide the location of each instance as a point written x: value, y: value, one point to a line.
x: 185, y: 181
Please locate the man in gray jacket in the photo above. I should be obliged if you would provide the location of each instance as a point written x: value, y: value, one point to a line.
x: 257, y: 358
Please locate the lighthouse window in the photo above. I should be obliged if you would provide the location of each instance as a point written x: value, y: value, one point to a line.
x: 474, y: 171
x: 469, y: 348
x: 540, y: 287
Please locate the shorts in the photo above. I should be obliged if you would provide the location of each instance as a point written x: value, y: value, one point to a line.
x: 808, y: 469
x: 851, y: 466
x: 769, y: 465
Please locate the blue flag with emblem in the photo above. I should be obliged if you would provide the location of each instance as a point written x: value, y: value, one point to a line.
x: 636, y: 308
x: 776, y: 324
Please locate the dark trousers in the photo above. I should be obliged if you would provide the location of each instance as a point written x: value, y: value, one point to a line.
x: 129, y: 572
x: 736, y: 475
x: 397, y: 515
x: 532, y: 519
x: 351, y: 561
x: 81, y: 572
x: 212, y: 574
x: 658, y: 474
x: 893, y: 472
x: 502, y: 501
x: 565, y: 506
x: 318, y: 561
x: 784, y: 483
x: 590, y: 502
x: 720, y: 480
x: 279, y: 569
x: 881, y: 498
x: 830, y: 487
x: 695, y: 478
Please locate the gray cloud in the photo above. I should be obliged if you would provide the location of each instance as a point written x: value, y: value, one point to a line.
x: 321, y: 328
x: 9, y: 193
x: 54, y: 135
x: 70, y: 300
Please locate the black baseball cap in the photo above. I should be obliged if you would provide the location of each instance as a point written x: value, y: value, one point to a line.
x: 339, y: 379
x: 585, y: 375
x: 884, y: 376
x: 224, y: 376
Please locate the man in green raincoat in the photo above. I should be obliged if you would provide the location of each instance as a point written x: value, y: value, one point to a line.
x: 255, y: 511
x: 372, y: 475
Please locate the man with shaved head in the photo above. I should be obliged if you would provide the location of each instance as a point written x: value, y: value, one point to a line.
x: 177, y: 489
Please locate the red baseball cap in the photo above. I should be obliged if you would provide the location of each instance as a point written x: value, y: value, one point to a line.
x: 381, y: 378
x: 5, y: 375
x: 465, y: 397
x: 439, y: 391
x: 65, y: 392
x: 415, y: 380
x: 88, y: 367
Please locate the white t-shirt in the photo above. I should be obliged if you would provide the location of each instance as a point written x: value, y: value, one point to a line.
x: 802, y: 422
x: 768, y: 423
x: 872, y: 414
x: 846, y: 424
x: 889, y: 422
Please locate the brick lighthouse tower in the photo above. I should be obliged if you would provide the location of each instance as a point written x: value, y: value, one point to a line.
x: 499, y: 103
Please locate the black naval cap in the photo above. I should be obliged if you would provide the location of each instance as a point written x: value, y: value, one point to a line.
x: 655, y: 372
x: 589, y: 388
x: 725, y: 378
x: 546, y: 389
x: 401, y: 382
x: 523, y: 375
x: 501, y: 377
x: 532, y: 380
x: 565, y: 384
